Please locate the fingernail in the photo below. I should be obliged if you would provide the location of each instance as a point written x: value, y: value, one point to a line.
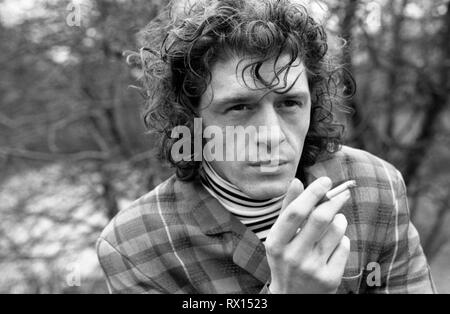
x: 352, y: 184
x: 325, y: 182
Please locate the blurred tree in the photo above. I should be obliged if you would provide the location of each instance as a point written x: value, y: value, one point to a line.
x: 65, y: 101
x: 401, y: 66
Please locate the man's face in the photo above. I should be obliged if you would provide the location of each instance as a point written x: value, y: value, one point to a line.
x: 285, y: 115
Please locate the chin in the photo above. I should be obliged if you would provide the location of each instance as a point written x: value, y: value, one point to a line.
x: 264, y: 185
x: 266, y: 189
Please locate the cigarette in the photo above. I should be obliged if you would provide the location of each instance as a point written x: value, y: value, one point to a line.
x: 338, y: 190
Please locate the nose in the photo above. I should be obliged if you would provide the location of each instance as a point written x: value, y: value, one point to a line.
x: 270, y: 129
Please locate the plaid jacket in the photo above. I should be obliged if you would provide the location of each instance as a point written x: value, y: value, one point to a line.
x: 179, y: 239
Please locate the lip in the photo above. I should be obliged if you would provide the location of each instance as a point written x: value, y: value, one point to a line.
x: 269, y: 163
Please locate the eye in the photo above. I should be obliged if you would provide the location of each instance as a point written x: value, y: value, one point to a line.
x: 291, y: 103
x: 239, y: 107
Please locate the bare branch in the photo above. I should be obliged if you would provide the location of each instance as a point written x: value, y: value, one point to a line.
x: 28, y: 154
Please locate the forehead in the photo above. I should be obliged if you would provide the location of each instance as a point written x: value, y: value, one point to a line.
x: 233, y: 75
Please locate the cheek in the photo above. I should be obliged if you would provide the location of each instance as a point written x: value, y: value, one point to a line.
x: 298, y: 131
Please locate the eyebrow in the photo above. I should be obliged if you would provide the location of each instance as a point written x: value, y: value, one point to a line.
x: 245, y: 98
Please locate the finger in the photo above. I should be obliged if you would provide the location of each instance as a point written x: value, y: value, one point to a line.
x: 332, y: 237
x: 287, y: 224
x: 318, y: 222
x: 338, y: 259
x: 294, y: 190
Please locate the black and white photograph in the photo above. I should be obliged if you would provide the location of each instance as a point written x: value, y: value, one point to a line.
x: 223, y: 147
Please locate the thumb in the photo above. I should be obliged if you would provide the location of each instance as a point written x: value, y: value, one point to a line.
x: 295, y: 189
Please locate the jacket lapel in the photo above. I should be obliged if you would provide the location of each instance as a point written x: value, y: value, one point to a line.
x: 248, y: 251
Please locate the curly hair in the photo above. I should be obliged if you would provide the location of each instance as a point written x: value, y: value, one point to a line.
x: 180, y: 47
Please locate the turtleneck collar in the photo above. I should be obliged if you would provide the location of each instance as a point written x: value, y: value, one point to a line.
x: 235, y: 200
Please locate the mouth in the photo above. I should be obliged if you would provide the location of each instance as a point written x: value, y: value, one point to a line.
x: 269, y: 163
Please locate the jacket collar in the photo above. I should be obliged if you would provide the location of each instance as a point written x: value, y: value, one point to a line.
x: 213, y: 219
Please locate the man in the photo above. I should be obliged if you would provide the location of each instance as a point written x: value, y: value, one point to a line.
x: 265, y: 222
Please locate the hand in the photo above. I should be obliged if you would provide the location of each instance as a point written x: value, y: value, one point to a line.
x: 311, y: 259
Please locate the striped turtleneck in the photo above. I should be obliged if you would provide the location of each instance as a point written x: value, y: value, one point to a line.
x: 257, y: 215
